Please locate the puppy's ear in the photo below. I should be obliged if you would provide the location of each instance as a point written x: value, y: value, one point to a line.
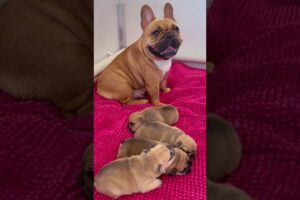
x: 168, y: 11
x: 147, y: 16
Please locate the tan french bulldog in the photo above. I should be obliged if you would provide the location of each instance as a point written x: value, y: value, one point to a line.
x: 180, y: 166
x: 166, y: 114
x: 135, y: 174
x: 144, y: 65
x: 167, y: 134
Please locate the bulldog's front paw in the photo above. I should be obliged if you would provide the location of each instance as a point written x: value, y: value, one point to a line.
x: 166, y: 90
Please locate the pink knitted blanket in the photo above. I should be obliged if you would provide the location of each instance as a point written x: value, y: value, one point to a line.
x: 189, y: 96
x: 256, y: 86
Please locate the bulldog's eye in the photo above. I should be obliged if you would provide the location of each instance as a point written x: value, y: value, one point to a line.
x: 177, y: 29
x: 159, y: 168
x: 156, y: 32
x: 146, y: 150
x: 131, y: 124
x: 140, y: 119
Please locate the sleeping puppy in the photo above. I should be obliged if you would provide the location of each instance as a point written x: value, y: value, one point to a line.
x: 167, y: 134
x: 223, y: 148
x: 135, y: 174
x: 182, y: 163
x: 166, y: 114
x: 144, y: 65
x: 217, y: 191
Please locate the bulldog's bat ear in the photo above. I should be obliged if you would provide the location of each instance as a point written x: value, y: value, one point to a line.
x: 147, y: 16
x: 168, y: 11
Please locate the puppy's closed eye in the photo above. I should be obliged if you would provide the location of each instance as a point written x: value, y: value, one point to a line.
x: 141, y: 119
x: 146, y: 150
x: 178, y: 144
x: 131, y: 124
x: 159, y: 169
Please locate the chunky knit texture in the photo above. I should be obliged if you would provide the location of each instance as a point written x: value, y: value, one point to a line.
x: 256, y: 86
x: 189, y: 96
x: 40, y: 153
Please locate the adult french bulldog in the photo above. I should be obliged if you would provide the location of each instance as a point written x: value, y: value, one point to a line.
x: 136, y: 173
x: 143, y: 66
x: 166, y: 114
x: 167, y: 134
x: 180, y: 166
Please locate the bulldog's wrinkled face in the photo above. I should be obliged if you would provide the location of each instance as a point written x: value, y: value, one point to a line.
x: 187, y: 144
x: 161, y: 38
x: 135, y: 120
x: 181, y: 165
x: 162, y: 156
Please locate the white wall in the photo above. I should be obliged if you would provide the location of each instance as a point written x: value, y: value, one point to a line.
x: 105, y: 28
x: 190, y: 15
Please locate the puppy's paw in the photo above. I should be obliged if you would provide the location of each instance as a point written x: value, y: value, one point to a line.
x: 156, y: 184
x: 151, y: 186
x: 166, y: 90
x: 159, y: 182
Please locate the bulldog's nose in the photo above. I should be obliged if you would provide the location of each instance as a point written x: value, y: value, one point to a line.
x: 189, y: 167
x: 169, y: 35
x: 192, y: 155
x: 130, y: 126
